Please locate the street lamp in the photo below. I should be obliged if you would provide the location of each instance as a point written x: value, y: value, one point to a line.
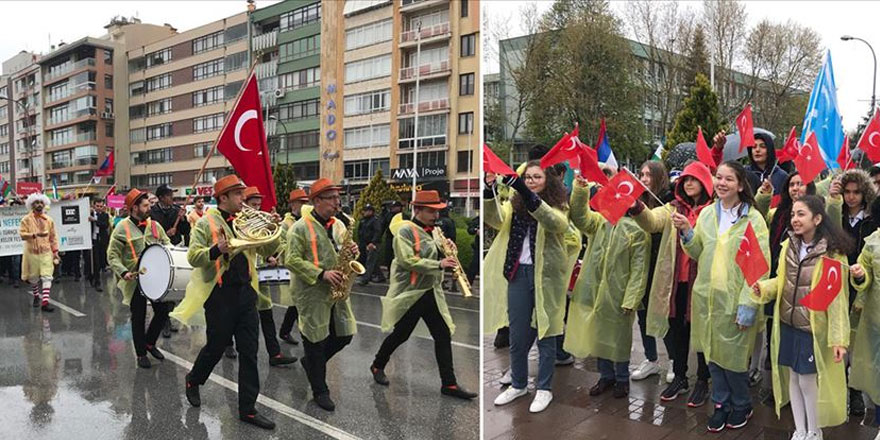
x: 873, y: 83
x: 283, y: 138
x: 416, y: 118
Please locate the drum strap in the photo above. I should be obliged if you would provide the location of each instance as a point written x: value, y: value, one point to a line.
x: 314, y: 239
x: 418, y: 249
x: 128, y: 238
x: 214, y: 238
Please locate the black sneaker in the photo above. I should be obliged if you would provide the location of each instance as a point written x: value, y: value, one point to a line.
x: 192, y: 393
x: 739, y: 418
x: 155, y: 352
x: 143, y: 362
x: 601, y: 386
x: 379, y: 376
x: 678, y: 386
x: 323, y: 400
x: 230, y: 352
x: 699, y: 395
x: 258, y: 420
x: 36, y: 301
x: 289, y: 338
x: 48, y: 308
x: 457, y: 391
x: 856, y: 403
x: 718, y: 420
x: 280, y: 360
x: 621, y: 390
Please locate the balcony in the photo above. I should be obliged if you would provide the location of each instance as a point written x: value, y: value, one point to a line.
x: 266, y: 41
x: 418, y: 5
x: 425, y: 71
x: 425, y: 106
x: 267, y: 69
x: 426, y: 35
x: 69, y: 68
x: 82, y: 137
x: 72, y: 116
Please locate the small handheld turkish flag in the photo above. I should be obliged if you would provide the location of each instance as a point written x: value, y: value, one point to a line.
x: 827, y: 288
x: 565, y: 149
x: 809, y: 161
x: 589, y: 166
x: 614, y: 199
x: 494, y: 164
x: 844, y: 158
x: 750, y: 258
x: 703, y: 153
x: 870, y: 140
x: 790, y: 150
x: 746, y: 128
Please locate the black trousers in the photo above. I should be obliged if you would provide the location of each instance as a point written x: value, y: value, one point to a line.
x: 678, y: 338
x: 230, y: 312
x: 267, y: 323
x: 371, y: 263
x: 70, y: 263
x: 318, y: 353
x: 290, y: 317
x: 473, y: 269
x: 94, y: 261
x: 426, y: 309
x: 138, y: 308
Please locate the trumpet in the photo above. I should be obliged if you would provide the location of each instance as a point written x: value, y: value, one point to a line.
x: 451, y: 252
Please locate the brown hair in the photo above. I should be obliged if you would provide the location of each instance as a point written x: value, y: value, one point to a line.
x: 659, y: 182
x: 554, y: 193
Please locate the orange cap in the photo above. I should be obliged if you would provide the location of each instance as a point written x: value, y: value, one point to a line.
x: 298, y: 195
x: 322, y: 185
x: 228, y: 183
x: 251, y: 192
x: 428, y: 199
x: 133, y: 196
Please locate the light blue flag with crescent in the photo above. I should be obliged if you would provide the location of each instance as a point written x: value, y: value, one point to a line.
x: 823, y: 115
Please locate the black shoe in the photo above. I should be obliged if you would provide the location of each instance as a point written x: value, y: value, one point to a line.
x: 230, y: 352
x: 457, y: 391
x: 678, y: 387
x: 718, y: 420
x: 739, y: 418
x: 166, y: 332
x: 601, y: 386
x: 144, y: 362
x: 258, y: 420
x: 379, y: 376
x: 48, y: 308
x: 621, y: 390
x: 856, y: 403
x: 192, y: 394
x: 279, y: 360
x: 155, y: 352
x: 172, y: 327
x: 36, y: 301
x: 502, y: 338
x: 323, y: 400
x: 76, y: 279
x: 699, y: 395
x: 289, y: 338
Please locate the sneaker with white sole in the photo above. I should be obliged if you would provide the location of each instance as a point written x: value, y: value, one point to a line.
x: 567, y: 361
x: 670, y: 374
x: 542, y: 399
x: 509, y: 395
x: 646, y: 368
x: 505, y: 380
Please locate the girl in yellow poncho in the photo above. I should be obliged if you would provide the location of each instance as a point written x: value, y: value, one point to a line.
x: 809, y: 343
x: 865, y: 348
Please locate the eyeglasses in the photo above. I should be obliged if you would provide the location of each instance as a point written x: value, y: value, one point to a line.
x: 336, y: 197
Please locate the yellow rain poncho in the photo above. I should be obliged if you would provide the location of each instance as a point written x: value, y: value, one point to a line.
x: 865, y: 352
x: 830, y: 328
x: 309, y: 252
x: 415, y: 270
x: 720, y: 289
x: 38, y: 253
x: 206, y: 273
x: 833, y: 206
x: 556, y: 247
x: 127, y: 243
x: 613, y: 277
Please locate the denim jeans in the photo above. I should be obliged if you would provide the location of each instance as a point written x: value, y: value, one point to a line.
x: 520, y: 305
x: 729, y: 389
x: 618, y: 371
x: 648, y: 342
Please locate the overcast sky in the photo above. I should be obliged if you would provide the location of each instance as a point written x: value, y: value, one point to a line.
x: 853, y: 64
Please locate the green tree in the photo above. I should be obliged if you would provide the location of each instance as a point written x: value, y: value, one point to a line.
x: 697, y: 57
x: 700, y: 109
x: 377, y: 192
x: 285, y: 182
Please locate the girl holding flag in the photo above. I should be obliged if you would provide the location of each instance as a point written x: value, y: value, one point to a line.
x: 810, y: 342
x: 723, y: 309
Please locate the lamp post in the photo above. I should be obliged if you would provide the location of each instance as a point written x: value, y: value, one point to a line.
x: 416, y: 104
x: 874, y: 82
x: 283, y: 142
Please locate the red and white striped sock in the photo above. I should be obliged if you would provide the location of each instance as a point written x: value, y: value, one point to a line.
x: 36, y: 290
x: 45, y: 296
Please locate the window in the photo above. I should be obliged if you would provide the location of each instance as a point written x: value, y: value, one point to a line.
x: 466, y: 84
x: 159, y: 131
x: 208, y: 42
x: 301, y: 48
x: 300, y: 17
x: 158, y: 58
x: 159, y: 107
x: 235, y: 61
x: 231, y: 90
x: 432, y: 57
x: 465, y: 161
x: 368, y: 102
x: 158, y: 82
x: 368, y: 34
x: 468, y: 45
x: 235, y: 33
x: 428, y: 92
x: 4, y: 130
x: 4, y: 167
x: 151, y: 179
x: 367, y: 136
x: 137, y: 111
x: 108, y: 57
x: 136, y: 88
x: 299, y: 110
x: 207, y: 96
x: 108, y: 129
x: 466, y: 123
x: 108, y: 105
x: 108, y: 82
x: 301, y: 140
x: 60, y: 159
x: 301, y: 79
x: 428, y: 21
x: 162, y: 155
x: 136, y: 135
x: 432, y: 131
x: 306, y: 170
x: 208, y: 123
x: 369, y: 68
x: 464, y: 8
x: 4, y: 148
x: 87, y: 155
x: 431, y: 159
x: 201, y: 149
x: 211, y: 176
x: 208, y: 69
x: 137, y: 64
x: 365, y: 169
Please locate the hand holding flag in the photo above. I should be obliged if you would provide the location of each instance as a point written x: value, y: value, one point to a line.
x: 750, y: 257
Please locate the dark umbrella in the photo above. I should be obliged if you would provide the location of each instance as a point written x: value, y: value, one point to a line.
x: 680, y: 155
x: 731, y: 147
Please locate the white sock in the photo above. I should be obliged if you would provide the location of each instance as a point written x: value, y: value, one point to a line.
x: 809, y: 386
x: 798, y: 412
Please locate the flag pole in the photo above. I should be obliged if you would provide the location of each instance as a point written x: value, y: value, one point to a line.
x: 646, y: 187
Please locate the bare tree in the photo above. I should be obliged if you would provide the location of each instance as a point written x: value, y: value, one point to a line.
x: 724, y: 23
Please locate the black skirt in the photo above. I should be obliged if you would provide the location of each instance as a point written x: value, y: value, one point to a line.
x: 796, y: 350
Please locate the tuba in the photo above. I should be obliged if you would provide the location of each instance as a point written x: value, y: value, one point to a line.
x: 458, y: 272
x: 253, y: 228
x: 347, y: 264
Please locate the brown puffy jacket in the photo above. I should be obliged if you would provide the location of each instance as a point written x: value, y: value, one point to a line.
x: 798, y: 280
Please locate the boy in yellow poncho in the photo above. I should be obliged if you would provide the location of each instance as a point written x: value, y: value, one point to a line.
x: 129, y: 239
x: 416, y: 293
x: 40, y: 254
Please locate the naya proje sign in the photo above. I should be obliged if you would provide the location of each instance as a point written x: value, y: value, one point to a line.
x: 422, y: 173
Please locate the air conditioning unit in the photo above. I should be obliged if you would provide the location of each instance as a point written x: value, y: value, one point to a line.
x: 106, y: 115
x: 279, y: 93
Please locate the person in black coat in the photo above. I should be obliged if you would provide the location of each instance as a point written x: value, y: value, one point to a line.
x: 393, y: 208
x: 173, y: 220
x: 369, y: 237
x: 474, y: 267
x: 96, y: 259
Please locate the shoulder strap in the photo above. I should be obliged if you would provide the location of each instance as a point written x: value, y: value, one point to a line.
x: 313, y: 238
x: 213, y: 226
x: 417, y: 247
x: 127, y: 225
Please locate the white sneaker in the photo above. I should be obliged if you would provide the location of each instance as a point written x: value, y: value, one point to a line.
x: 798, y: 435
x: 509, y: 395
x: 878, y: 436
x: 813, y: 435
x: 567, y: 361
x: 646, y: 369
x: 542, y: 399
x: 506, y: 380
x: 670, y: 374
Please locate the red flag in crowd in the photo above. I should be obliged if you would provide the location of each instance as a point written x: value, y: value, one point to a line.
x: 494, y: 164
x: 870, y: 140
x: 703, y: 153
x: 106, y: 168
x: 790, y: 150
x: 614, y: 199
x: 844, y: 158
x: 565, y: 149
x: 809, y: 161
x: 750, y: 258
x: 746, y: 128
x: 827, y: 288
x: 775, y: 200
x: 589, y: 166
x: 243, y: 142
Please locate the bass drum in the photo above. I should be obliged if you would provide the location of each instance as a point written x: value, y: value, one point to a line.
x: 164, y: 273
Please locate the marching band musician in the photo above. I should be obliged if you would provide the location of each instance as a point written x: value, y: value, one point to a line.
x: 221, y: 296
x: 129, y: 239
x: 40, y: 254
x: 416, y: 292
x: 326, y: 325
x: 297, y: 199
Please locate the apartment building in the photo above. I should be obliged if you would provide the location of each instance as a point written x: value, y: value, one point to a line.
x: 21, y: 139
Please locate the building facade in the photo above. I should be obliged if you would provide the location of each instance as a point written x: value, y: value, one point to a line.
x: 21, y: 154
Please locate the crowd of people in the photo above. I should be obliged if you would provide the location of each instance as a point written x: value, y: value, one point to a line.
x: 562, y: 274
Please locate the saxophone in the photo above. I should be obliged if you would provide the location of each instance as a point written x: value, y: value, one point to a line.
x: 347, y: 264
x: 458, y: 272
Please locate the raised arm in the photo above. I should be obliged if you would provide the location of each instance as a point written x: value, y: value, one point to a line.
x: 582, y: 217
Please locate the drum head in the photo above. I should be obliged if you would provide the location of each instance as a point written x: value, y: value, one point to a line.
x: 155, y: 261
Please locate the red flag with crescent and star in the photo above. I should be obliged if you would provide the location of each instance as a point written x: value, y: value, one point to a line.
x: 827, y: 288
x: 566, y: 148
x: 614, y: 199
x: 746, y: 128
x: 750, y: 257
x: 243, y: 142
x: 870, y: 140
x: 809, y: 161
x: 790, y: 150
